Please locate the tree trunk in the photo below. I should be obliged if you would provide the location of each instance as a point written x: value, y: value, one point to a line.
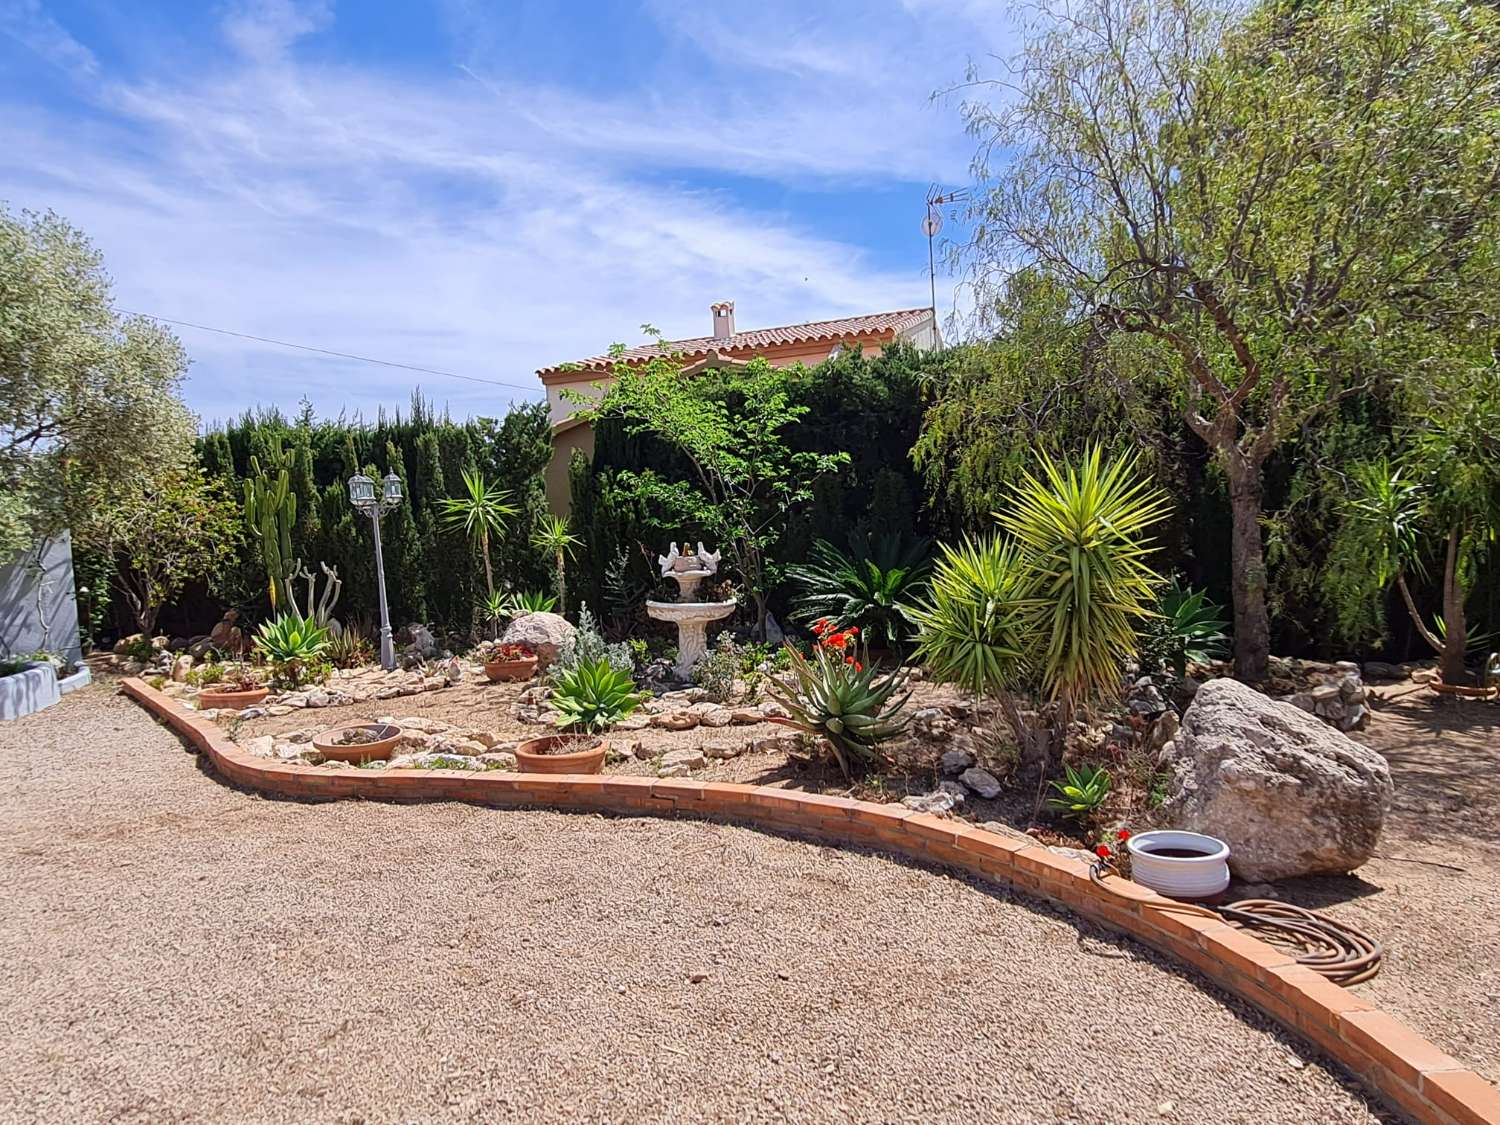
x: 489, y: 575
x: 562, y: 585
x: 1456, y: 629
x: 1252, y: 625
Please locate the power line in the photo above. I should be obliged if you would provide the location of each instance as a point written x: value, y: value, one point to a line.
x: 327, y: 351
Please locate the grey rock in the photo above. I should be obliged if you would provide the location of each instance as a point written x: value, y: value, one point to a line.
x: 693, y: 759
x: 982, y: 782
x: 723, y: 750
x: 954, y: 762
x: 1290, y: 795
x: 547, y: 634
x: 1379, y: 670
x: 264, y: 746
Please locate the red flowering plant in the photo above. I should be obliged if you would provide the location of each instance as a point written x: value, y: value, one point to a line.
x: 1114, y: 856
x: 838, y: 642
x: 492, y: 651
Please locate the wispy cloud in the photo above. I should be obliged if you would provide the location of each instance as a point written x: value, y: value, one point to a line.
x: 26, y: 23
x: 473, y: 223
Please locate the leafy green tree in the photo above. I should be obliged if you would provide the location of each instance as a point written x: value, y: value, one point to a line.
x: 1284, y: 230
x: 165, y: 532
x: 746, y: 478
x: 1445, y: 490
x: 89, y: 402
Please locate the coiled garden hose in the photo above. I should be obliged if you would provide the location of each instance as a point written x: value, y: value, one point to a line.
x: 1344, y: 954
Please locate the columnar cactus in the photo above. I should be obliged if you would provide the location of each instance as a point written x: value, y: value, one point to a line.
x: 270, y: 512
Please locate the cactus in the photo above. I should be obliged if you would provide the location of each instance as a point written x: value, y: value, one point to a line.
x: 270, y: 512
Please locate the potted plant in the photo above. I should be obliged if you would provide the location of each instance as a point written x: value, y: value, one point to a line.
x: 358, y: 743
x: 507, y: 663
x: 237, y: 689
x: 589, y: 698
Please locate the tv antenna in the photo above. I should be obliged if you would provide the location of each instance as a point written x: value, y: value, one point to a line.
x: 932, y: 223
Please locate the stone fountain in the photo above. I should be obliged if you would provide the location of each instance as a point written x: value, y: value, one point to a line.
x: 691, y: 615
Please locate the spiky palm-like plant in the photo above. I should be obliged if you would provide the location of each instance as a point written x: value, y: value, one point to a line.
x: 851, y: 705
x: 480, y: 512
x: 553, y: 536
x: 1081, y: 530
x: 868, y: 589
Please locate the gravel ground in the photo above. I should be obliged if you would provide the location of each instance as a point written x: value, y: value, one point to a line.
x: 173, y: 949
x: 1432, y: 892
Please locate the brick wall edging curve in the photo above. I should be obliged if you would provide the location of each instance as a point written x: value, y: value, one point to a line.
x: 1404, y: 1069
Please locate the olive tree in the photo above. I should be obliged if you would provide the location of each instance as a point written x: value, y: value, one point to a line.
x: 1289, y: 203
x: 88, y: 400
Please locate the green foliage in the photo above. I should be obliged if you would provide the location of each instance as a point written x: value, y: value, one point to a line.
x: 89, y: 399
x: 554, y: 538
x: 1185, y: 628
x: 295, y: 648
x: 270, y: 512
x: 868, y: 589
x: 350, y: 649
x: 731, y: 429
x: 1081, y: 793
x: 480, y: 513
x: 589, y: 647
x: 852, y: 706
x: 1059, y: 601
x: 592, y: 695
x: 532, y: 601
x: 715, y: 672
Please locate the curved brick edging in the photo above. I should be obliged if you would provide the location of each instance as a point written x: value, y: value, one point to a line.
x: 1387, y: 1056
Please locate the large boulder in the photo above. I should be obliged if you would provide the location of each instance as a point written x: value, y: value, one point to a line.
x: 546, y: 634
x: 1289, y: 794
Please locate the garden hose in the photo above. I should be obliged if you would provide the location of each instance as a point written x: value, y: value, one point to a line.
x: 1342, y: 953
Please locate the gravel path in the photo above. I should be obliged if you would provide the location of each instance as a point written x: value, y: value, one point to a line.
x: 172, y: 949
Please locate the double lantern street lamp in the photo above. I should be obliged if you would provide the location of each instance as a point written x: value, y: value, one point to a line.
x: 362, y: 496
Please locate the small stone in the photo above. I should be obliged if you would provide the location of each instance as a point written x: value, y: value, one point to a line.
x: 954, y: 762
x: 723, y: 750
x: 775, y: 744
x: 986, y: 784
x: 180, y: 668
x: 499, y: 759
x: 716, y: 717
x: 639, y: 750
x: 692, y: 759
x: 264, y: 746
x: 678, y: 770
x: 773, y: 710
x: 634, y: 722
x: 698, y: 976
x: 676, y: 720
x: 744, y: 716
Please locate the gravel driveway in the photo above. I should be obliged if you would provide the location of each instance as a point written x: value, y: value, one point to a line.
x: 172, y: 949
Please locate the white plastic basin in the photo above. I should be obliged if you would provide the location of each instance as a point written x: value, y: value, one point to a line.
x: 1200, y: 875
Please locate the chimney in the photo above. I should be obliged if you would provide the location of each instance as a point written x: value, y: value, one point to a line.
x: 723, y: 319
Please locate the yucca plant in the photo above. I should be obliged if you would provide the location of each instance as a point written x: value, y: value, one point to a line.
x: 867, y: 589
x: 848, y: 703
x: 480, y: 513
x: 1082, y: 792
x: 532, y: 601
x: 294, y: 647
x: 1081, y: 531
x: 554, y: 538
x: 592, y: 696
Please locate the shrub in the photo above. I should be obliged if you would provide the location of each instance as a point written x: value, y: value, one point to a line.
x: 970, y: 627
x: 592, y: 696
x: 715, y: 672
x: 350, y: 649
x: 844, y: 701
x: 589, y: 646
x: 866, y: 589
x: 295, y: 648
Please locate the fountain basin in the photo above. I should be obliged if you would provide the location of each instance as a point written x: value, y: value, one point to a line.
x: 691, y: 618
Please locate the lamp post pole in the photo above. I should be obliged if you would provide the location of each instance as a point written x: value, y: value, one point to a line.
x: 362, y: 495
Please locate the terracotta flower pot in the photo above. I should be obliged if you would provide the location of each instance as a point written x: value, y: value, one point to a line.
x: 328, y: 745
x: 231, y: 700
x: 533, y: 756
x: 510, y: 671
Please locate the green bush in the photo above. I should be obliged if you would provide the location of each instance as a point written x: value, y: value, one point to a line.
x: 592, y: 696
x: 1186, y: 629
x: 715, y: 672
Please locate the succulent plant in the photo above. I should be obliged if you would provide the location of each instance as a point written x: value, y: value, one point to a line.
x: 852, y: 705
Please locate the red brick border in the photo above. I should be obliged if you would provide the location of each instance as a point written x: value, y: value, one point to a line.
x: 1388, y: 1057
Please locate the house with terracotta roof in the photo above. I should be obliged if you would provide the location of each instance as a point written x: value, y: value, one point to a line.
x: 809, y: 343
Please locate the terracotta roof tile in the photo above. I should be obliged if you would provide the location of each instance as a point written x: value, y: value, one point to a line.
x: 758, y: 338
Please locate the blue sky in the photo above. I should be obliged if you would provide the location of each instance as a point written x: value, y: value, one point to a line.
x: 483, y: 188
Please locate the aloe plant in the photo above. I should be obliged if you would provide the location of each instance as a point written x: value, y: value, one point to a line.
x: 852, y: 705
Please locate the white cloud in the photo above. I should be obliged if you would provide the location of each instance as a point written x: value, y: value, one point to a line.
x: 483, y: 227
x: 26, y: 23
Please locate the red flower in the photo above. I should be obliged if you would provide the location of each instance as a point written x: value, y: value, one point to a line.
x: 1102, y: 851
x: 1122, y: 835
x: 853, y: 630
x: 858, y: 667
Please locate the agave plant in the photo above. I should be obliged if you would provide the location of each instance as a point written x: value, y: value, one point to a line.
x: 294, y: 646
x: 1082, y: 792
x: 1081, y: 531
x: 849, y: 704
x: 866, y: 589
x: 592, y: 696
x: 350, y: 649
